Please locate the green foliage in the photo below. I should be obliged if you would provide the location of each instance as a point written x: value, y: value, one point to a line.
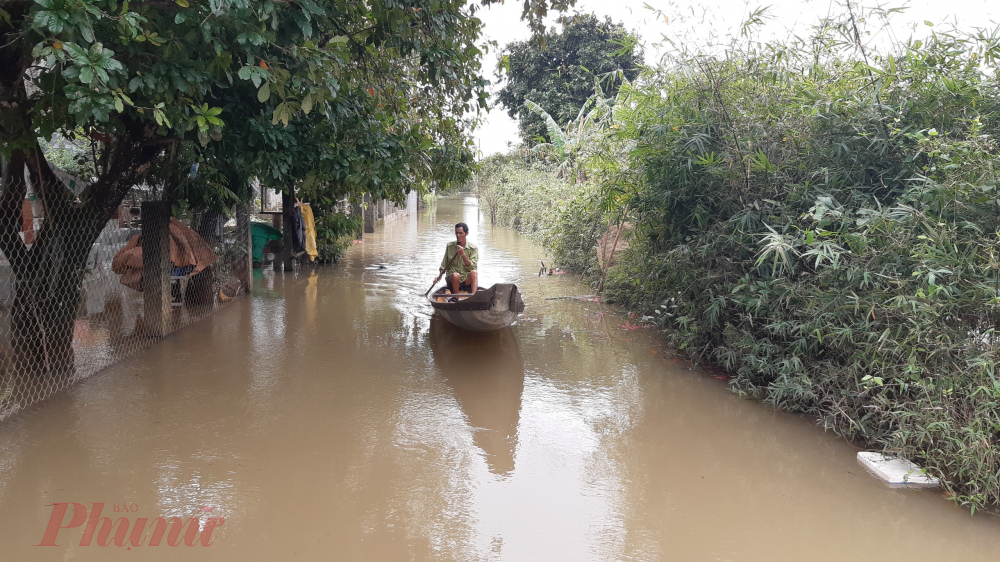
x: 824, y: 225
x: 71, y: 155
x: 329, y: 98
x: 819, y: 220
x: 560, y: 77
x: 564, y: 192
x: 210, y: 189
x: 526, y: 193
x: 580, y: 222
x: 334, y: 233
x: 335, y: 97
x: 519, y: 192
x: 428, y: 198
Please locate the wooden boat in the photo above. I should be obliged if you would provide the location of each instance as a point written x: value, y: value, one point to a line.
x: 488, y: 309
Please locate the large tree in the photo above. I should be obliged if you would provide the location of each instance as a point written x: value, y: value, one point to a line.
x: 353, y: 94
x: 559, y: 73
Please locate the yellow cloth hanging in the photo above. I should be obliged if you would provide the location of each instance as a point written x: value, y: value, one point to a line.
x: 307, y: 217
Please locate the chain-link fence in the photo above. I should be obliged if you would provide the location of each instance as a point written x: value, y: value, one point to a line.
x: 77, y: 295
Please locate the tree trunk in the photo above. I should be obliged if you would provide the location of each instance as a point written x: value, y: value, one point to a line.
x: 48, y: 274
x: 244, y: 268
x: 47, y: 292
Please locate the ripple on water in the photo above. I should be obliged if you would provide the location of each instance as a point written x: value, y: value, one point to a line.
x: 333, y: 413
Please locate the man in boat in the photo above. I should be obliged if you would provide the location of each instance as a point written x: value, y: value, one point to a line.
x: 461, y: 258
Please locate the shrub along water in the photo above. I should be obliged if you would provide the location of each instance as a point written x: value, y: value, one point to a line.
x: 334, y: 233
x: 823, y: 222
x: 526, y: 193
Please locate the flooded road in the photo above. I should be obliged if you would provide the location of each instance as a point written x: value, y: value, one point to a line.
x: 331, y: 417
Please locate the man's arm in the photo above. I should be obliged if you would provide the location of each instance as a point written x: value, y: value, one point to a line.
x: 472, y: 259
x: 444, y: 261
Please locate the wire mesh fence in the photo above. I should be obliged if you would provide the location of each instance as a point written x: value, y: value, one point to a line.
x: 77, y: 296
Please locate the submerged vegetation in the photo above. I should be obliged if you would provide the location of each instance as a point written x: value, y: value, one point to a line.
x: 820, y: 219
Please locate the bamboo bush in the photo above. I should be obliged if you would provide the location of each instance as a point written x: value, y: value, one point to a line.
x: 823, y: 222
x: 821, y: 219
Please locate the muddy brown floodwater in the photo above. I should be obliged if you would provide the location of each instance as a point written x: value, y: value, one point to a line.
x: 331, y: 417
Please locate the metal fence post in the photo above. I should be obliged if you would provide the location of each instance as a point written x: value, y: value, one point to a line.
x: 369, y: 214
x: 287, y: 259
x: 244, y: 269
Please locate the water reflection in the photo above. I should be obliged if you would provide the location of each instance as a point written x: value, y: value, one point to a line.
x: 486, y: 373
x: 311, y: 295
x: 332, y: 413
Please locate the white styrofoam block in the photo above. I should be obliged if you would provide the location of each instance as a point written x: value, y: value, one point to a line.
x: 896, y: 472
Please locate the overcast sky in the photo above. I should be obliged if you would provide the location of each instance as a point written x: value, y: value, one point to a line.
x: 687, y: 18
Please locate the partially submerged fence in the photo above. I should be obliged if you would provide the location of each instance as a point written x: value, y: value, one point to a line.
x: 78, y: 293
x: 77, y: 296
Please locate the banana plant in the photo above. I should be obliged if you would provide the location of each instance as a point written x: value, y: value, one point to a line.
x: 568, y: 146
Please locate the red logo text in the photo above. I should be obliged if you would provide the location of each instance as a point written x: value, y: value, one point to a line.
x: 173, y: 531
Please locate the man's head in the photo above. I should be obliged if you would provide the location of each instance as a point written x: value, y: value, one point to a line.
x: 461, y: 231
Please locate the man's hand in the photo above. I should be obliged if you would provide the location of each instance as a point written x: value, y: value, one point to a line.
x: 461, y: 252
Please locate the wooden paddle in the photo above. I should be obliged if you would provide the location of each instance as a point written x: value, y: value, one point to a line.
x: 438, y: 278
